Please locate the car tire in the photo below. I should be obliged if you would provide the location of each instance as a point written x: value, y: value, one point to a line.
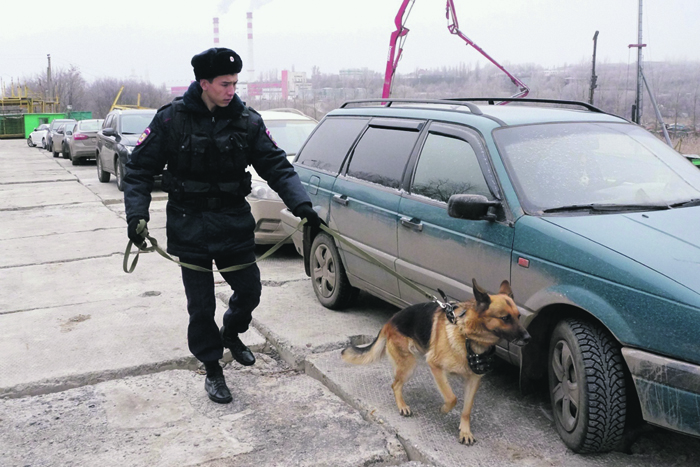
x: 55, y: 154
x: 43, y: 143
x: 328, y: 275
x: 74, y: 160
x: 119, y: 172
x: 29, y: 142
x: 65, y: 151
x: 102, y: 176
x: 587, y: 386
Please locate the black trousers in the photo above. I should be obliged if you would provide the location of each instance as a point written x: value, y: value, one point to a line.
x: 202, y: 333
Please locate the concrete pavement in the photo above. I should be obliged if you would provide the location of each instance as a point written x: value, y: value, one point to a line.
x: 95, y: 368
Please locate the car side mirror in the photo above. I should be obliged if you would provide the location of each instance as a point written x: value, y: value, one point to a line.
x: 60, y: 132
x: 472, y: 207
x: 109, y: 132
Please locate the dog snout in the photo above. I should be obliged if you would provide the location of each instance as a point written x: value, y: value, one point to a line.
x: 523, y: 339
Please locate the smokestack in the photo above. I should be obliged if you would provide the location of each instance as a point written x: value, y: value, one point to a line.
x: 251, y: 67
x: 216, y: 32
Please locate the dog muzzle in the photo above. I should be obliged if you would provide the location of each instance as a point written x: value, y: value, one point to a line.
x: 480, y: 363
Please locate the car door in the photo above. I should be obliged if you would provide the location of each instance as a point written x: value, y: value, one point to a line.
x: 365, y: 202
x: 435, y: 250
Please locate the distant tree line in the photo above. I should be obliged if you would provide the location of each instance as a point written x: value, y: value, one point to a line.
x: 97, y: 97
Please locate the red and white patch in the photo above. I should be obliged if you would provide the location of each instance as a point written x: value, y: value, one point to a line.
x: 269, y: 135
x: 143, y: 136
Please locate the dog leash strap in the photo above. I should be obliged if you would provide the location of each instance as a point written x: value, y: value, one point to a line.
x: 376, y: 262
x: 155, y: 247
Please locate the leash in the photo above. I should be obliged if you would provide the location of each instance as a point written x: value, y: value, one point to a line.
x: 142, y: 230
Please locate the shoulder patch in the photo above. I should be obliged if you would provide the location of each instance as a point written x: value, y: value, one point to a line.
x: 269, y: 135
x: 143, y: 136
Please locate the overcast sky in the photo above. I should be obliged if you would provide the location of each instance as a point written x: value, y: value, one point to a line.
x: 155, y: 40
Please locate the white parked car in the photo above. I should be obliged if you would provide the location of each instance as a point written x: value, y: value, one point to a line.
x: 289, y: 128
x: 38, y: 136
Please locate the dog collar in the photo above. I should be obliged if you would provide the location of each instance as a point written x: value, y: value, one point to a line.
x: 480, y: 363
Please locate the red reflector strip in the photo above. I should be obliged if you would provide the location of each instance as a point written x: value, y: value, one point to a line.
x: 524, y: 262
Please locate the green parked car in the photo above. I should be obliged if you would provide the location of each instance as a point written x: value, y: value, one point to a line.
x: 592, y: 219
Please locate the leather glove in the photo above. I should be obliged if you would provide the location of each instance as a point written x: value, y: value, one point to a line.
x: 137, y: 237
x: 305, y: 211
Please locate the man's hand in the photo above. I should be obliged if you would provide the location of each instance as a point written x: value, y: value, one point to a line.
x: 136, y: 235
x: 305, y: 211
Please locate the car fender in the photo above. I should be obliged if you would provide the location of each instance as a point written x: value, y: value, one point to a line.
x: 584, y: 299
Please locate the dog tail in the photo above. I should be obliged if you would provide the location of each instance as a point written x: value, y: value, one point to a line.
x: 367, y: 354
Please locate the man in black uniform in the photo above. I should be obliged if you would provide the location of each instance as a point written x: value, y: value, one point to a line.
x: 207, y: 139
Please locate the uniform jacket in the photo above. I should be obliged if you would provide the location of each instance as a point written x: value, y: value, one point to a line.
x: 207, y: 234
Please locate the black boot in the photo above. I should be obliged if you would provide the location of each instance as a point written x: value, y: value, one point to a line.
x: 240, y: 352
x: 215, y: 384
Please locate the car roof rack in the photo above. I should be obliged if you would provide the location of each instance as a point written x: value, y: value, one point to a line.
x: 468, y: 102
x: 389, y: 101
x: 500, y: 100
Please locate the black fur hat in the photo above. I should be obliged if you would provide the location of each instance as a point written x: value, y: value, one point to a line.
x: 216, y: 62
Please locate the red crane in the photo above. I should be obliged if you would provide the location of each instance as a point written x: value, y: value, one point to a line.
x: 398, y: 38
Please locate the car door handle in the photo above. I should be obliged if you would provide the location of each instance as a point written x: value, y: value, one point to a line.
x: 413, y: 224
x: 340, y: 199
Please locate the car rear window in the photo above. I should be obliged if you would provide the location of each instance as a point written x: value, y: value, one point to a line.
x: 381, y: 155
x: 90, y: 126
x: 330, y: 143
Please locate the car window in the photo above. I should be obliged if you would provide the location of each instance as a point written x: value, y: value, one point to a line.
x: 331, y: 142
x: 381, y: 155
x: 90, y: 125
x: 448, y: 166
x: 108, y: 121
x: 290, y: 135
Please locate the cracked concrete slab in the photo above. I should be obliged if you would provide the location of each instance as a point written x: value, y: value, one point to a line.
x: 166, y: 419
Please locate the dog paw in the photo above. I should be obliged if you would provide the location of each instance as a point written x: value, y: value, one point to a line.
x: 405, y: 411
x: 466, y: 438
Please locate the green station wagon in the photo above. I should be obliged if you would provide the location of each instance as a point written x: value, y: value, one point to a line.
x: 592, y: 219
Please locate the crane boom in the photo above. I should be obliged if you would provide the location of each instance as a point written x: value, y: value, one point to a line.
x: 398, y: 38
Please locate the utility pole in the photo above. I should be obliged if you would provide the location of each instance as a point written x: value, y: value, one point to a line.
x: 637, y: 108
x: 594, y: 78
x: 48, y: 79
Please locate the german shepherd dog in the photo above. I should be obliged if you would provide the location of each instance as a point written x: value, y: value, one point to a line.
x: 449, y: 341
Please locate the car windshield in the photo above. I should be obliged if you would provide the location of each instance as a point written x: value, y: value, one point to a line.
x: 135, y: 124
x: 290, y: 135
x: 595, y: 167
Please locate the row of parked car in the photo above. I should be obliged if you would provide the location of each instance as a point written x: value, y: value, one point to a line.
x: 75, y: 140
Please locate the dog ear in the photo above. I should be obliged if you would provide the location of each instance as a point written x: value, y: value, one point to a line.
x: 483, y: 301
x: 506, y: 290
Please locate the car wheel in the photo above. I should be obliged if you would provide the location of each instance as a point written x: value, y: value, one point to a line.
x: 74, y: 160
x: 29, y: 142
x: 328, y: 275
x: 102, y: 176
x: 587, y: 386
x: 55, y: 154
x: 66, y: 153
x: 43, y: 143
x: 119, y: 172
